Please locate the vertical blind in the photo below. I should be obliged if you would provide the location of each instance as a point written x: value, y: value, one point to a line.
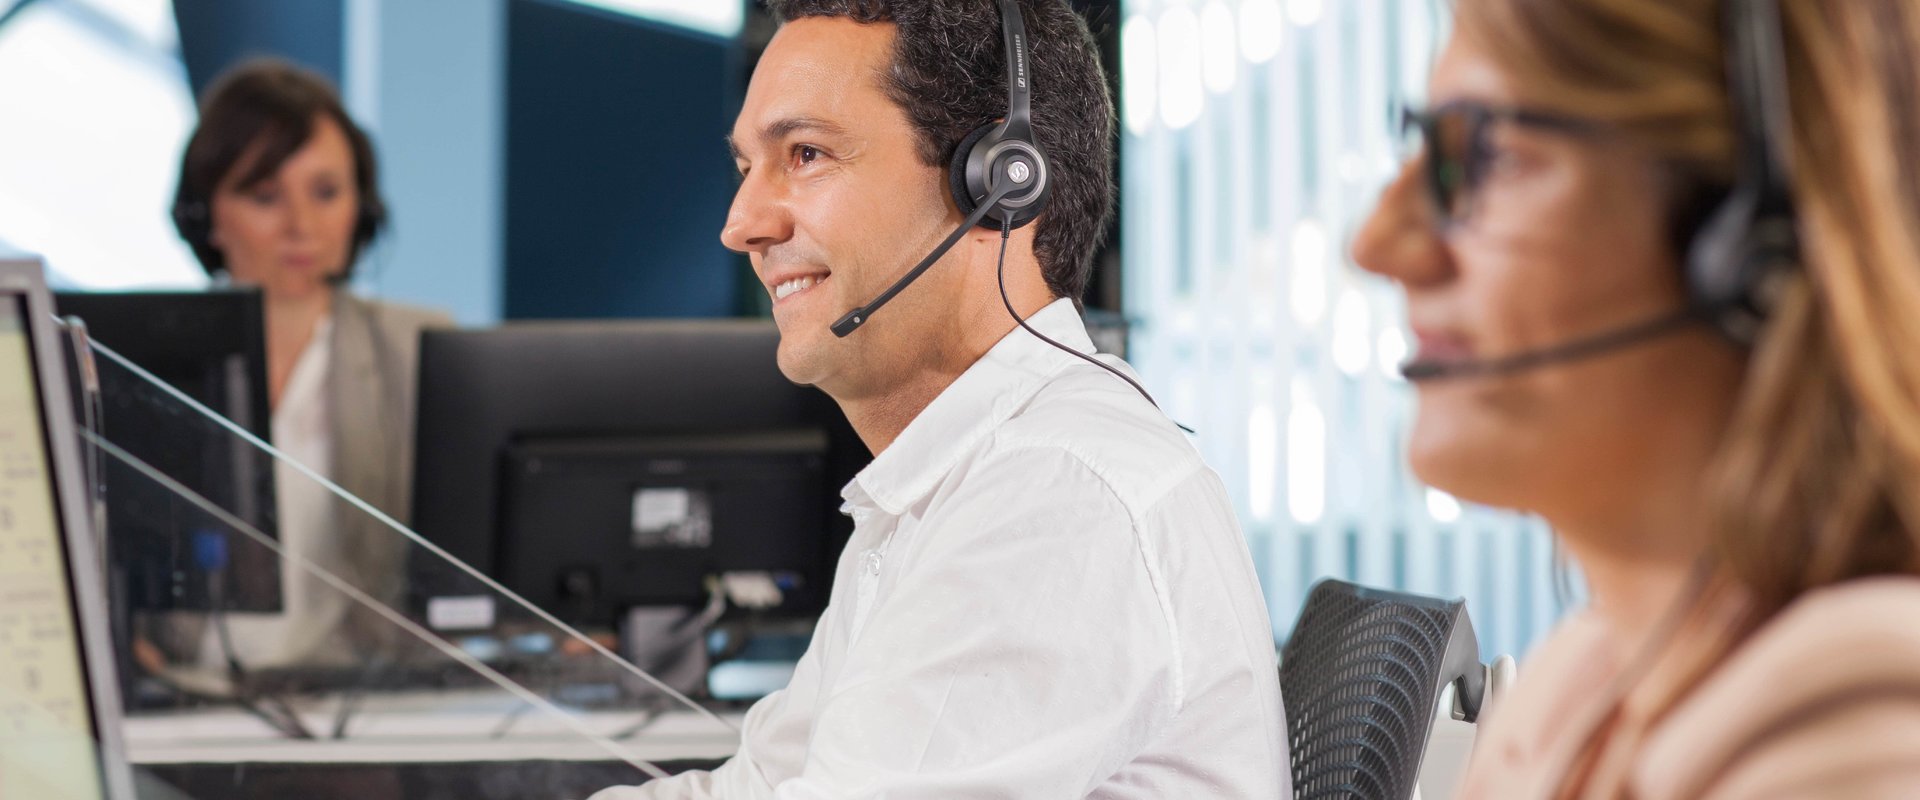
x: 1255, y: 136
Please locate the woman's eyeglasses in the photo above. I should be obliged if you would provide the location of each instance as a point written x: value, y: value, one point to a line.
x: 1453, y: 139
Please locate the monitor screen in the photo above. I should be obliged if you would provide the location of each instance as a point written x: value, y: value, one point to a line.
x: 211, y: 346
x: 595, y: 467
x: 47, y: 741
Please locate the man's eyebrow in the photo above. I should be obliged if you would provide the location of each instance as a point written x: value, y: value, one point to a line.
x: 782, y: 128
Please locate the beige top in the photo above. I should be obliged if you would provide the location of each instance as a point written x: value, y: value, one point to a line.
x: 370, y: 406
x: 1822, y: 701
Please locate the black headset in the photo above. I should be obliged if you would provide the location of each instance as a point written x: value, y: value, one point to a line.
x: 194, y: 220
x: 1751, y: 239
x: 999, y: 180
x: 999, y: 175
x: 1736, y: 258
x: 1006, y: 148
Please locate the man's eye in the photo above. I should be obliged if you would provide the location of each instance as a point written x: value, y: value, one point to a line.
x: 804, y: 154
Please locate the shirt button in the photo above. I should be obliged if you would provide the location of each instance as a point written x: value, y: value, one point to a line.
x: 870, y: 560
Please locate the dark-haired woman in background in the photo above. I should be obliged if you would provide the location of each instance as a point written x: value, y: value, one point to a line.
x: 278, y: 189
x: 1621, y: 331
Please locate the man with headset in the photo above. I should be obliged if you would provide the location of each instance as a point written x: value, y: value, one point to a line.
x: 1046, y: 593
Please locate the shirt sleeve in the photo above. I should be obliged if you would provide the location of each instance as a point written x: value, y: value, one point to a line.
x: 1015, y: 647
x: 773, y: 744
x: 741, y: 778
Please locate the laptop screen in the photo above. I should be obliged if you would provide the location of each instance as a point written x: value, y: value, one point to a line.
x: 48, y: 745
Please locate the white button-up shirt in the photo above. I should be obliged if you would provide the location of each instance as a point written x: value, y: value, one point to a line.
x: 1046, y: 595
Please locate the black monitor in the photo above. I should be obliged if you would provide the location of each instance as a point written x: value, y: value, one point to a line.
x: 595, y: 467
x: 212, y: 347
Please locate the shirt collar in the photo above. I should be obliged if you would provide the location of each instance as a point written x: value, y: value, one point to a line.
x: 976, y: 403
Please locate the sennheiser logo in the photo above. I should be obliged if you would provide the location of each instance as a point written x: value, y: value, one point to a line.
x: 1020, y: 60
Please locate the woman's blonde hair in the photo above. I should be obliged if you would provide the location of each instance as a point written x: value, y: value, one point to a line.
x: 1817, y: 479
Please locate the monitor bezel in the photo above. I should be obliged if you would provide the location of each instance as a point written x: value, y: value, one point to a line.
x: 26, y: 279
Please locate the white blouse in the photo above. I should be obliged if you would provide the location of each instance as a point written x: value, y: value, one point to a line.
x: 308, y: 629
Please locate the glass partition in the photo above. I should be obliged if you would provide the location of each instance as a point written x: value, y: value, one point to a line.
x: 274, y: 631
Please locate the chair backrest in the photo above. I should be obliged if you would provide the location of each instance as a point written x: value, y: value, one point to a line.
x: 1360, y: 677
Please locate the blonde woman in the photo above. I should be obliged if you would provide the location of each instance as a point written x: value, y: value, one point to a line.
x: 1662, y: 258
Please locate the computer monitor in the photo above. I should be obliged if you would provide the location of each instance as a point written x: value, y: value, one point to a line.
x: 59, y: 704
x: 211, y: 346
x: 602, y: 466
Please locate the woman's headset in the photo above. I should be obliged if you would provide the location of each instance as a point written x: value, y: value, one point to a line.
x: 193, y: 216
x: 1751, y: 239
x: 1735, y: 259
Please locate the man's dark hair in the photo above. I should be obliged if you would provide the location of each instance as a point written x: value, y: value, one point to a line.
x: 949, y: 74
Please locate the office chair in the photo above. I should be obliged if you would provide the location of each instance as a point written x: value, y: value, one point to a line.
x: 1361, y: 677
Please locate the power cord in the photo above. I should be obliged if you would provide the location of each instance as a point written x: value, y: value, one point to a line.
x: 276, y: 712
x: 1006, y: 230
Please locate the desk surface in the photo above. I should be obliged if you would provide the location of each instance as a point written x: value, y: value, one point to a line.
x: 440, y: 727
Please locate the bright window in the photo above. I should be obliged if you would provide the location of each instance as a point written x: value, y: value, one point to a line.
x: 1245, y: 178
x: 96, y: 111
x: 719, y: 17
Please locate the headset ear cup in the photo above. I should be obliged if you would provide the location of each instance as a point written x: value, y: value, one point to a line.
x: 184, y: 223
x: 373, y: 218
x: 957, y: 169
x: 1734, y: 261
x: 1714, y: 256
x: 192, y: 221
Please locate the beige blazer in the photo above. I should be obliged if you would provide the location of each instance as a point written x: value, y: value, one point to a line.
x: 1823, y: 701
x: 372, y: 385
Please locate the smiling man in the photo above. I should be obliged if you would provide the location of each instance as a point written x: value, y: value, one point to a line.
x: 1046, y: 594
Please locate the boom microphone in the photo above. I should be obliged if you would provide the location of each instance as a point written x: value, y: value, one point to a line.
x: 1434, y: 370
x: 854, y: 319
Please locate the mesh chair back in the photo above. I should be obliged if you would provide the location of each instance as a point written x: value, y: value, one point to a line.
x: 1361, y: 677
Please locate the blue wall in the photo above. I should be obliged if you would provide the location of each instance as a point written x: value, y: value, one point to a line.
x: 541, y: 158
x: 427, y: 77
x: 617, y: 178
x: 215, y: 34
